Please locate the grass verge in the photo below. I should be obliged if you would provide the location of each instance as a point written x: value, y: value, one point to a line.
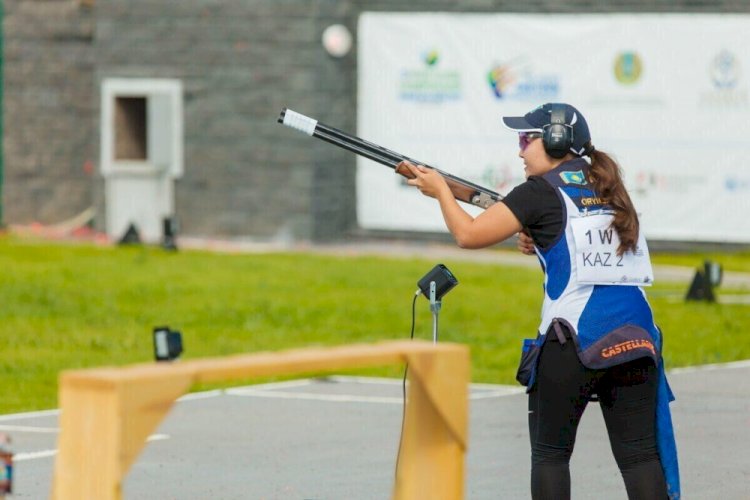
x: 71, y: 306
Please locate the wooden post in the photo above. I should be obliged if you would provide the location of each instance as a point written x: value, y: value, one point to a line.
x: 435, y: 439
x: 107, y: 413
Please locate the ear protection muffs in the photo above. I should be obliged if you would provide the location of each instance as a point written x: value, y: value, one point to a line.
x: 557, y: 137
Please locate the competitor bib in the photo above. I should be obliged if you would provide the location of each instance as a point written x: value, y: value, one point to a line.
x: 597, y: 262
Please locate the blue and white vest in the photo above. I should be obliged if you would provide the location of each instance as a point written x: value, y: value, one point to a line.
x: 612, y: 323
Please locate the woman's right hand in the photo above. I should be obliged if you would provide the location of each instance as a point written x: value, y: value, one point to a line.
x: 525, y: 243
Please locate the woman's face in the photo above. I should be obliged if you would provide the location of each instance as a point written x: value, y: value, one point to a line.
x: 536, y: 161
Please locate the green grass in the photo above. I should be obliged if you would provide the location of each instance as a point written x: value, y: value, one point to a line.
x: 736, y: 261
x: 71, y: 306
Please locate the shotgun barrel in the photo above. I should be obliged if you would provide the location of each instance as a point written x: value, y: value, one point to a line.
x: 462, y: 190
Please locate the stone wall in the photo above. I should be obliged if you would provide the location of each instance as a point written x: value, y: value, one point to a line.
x: 48, y: 110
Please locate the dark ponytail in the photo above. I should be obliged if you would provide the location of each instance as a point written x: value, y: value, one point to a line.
x: 608, y: 184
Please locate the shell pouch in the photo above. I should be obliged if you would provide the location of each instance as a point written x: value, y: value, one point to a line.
x: 529, y: 354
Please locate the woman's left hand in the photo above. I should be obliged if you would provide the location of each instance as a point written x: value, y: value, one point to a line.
x: 525, y: 243
x: 427, y: 180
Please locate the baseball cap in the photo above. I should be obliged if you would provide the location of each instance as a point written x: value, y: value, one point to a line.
x: 537, y: 119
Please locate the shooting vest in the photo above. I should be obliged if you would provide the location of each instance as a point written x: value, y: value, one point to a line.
x: 587, y: 286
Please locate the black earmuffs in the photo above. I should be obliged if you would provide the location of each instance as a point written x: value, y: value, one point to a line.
x: 557, y: 137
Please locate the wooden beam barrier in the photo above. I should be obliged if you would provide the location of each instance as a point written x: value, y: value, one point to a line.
x: 107, y: 413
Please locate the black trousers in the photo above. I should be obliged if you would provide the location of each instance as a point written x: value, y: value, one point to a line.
x: 627, y: 396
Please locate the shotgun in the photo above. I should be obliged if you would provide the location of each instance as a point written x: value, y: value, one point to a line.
x: 462, y: 190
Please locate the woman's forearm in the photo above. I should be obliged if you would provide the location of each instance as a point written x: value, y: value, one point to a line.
x: 456, y: 218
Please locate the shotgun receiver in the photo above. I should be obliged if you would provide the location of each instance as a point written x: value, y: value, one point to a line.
x: 462, y: 190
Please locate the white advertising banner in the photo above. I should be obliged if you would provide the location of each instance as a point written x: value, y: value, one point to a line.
x: 665, y: 94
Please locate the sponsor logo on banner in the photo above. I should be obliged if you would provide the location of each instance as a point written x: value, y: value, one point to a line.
x: 506, y: 82
x: 737, y: 184
x: 431, y: 57
x: 628, y: 68
x: 724, y: 70
x: 430, y: 83
x: 500, y: 78
x: 501, y: 178
x: 725, y: 75
x: 648, y: 182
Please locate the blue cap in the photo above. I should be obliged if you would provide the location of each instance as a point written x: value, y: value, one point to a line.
x: 537, y: 119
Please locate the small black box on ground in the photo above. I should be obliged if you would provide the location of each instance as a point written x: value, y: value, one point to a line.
x: 443, y: 278
x: 167, y: 344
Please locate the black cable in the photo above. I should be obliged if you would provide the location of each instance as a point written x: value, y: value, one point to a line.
x: 403, y: 382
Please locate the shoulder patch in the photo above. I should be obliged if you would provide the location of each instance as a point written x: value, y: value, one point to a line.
x: 574, y: 178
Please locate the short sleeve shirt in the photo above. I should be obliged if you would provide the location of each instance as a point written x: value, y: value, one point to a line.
x: 538, y: 208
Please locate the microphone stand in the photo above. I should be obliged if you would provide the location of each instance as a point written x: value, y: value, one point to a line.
x: 435, y: 308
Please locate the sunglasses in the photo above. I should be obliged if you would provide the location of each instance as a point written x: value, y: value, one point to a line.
x: 525, y: 138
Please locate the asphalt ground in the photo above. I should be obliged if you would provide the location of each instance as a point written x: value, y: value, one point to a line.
x: 337, y: 438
